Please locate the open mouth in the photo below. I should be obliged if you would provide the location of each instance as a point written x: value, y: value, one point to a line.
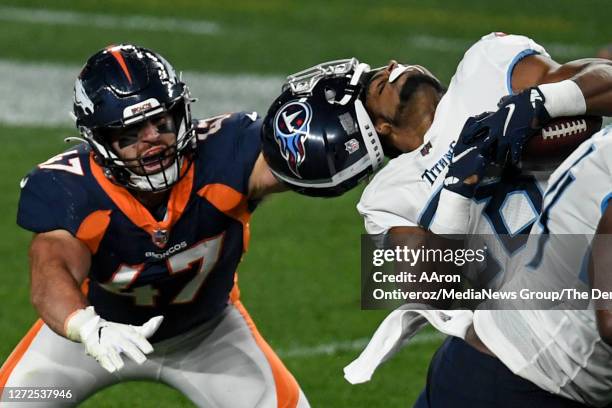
x: 156, y: 159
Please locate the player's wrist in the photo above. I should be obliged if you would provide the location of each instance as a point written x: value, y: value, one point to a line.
x: 452, y: 215
x: 563, y: 98
x: 80, y: 323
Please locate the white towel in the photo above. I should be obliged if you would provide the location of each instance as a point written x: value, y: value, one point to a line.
x: 396, y: 331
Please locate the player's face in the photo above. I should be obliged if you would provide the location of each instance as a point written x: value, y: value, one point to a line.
x: 147, y: 147
x: 392, y: 85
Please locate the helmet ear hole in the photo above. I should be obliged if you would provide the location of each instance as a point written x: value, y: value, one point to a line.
x: 330, y: 94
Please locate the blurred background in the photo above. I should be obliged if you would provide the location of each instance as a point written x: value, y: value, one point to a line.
x: 300, y: 279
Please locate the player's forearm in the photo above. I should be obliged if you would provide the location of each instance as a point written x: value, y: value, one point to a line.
x: 595, y: 82
x: 583, y: 87
x: 58, y: 265
x: 55, y: 295
x: 418, y: 239
x: 262, y: 182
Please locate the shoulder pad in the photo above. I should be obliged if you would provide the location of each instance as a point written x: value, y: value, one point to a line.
x: 228, y: 146
x: 59, y: 193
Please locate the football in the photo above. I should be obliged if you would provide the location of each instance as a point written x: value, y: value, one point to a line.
x: 558, y: 139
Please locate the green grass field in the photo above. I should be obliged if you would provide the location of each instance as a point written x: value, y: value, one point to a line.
x: 300, y: 279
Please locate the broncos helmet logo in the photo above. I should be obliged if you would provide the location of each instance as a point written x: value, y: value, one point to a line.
x: 291, y: 126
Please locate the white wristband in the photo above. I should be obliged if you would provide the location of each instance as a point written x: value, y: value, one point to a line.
x: 80, y: 323
x: 452, y: 215
x: 563, y: 98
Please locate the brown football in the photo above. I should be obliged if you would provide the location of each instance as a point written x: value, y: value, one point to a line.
x: 558, y: 139
x: 561, y: 136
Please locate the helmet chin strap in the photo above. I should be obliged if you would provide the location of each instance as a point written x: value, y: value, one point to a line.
x: 359, y: 71
x: 370, y: 136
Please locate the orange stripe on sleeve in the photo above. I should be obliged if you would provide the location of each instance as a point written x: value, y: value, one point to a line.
x: 92, y: 229
x: 10, y: 364
x: 230, y: 202
x: 287, y: 389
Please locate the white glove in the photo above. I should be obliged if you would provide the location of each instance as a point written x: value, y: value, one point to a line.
x: 105, y: 340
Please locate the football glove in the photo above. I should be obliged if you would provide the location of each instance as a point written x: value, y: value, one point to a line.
x: 471, y: 154
x: 105, y: 341
x: 519, y: 117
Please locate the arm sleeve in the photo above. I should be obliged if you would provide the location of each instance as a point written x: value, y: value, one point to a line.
x: 228, y: 154
x: 249, y: 145
x: 391, y: 200
x: 495, y: 55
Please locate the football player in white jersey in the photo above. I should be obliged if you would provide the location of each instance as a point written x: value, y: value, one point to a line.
x: 562, y: 347
x: 417, y: 123
x: 412, y: 116
x: 562, y: 351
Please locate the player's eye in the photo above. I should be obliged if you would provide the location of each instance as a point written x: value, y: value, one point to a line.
x: 165, y: 124
x: 126, y: 139
x: 126, y: 136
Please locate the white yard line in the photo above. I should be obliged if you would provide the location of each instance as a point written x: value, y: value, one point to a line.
x: 132, y: 22
x: 40, y: 94
x: 357, y: 345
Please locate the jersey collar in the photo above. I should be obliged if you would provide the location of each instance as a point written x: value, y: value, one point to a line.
x: 138, y: 213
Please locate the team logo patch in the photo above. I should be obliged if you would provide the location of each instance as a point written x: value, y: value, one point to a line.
x: 426, y: 149
x: 291, y: 126
x: 81, y: 99
x: 160, y: 237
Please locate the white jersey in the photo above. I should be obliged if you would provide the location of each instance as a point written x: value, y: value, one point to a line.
x: 560, y: 350
x: 406, y: 191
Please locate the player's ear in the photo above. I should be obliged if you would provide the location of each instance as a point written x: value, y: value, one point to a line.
x: 383, y: 128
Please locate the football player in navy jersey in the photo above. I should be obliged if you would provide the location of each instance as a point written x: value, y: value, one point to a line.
x: 138, y: 234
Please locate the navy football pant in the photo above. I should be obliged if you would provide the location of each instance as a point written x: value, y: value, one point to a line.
x: 460, y: 376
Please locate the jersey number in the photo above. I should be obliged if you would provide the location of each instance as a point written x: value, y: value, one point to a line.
x: 556, y: 190
x: 64, y: 162
x: 211, y: 126
x: 203, y: 256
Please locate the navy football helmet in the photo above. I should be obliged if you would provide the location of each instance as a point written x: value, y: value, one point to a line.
x: 317, y: 136
x: 120, y: 87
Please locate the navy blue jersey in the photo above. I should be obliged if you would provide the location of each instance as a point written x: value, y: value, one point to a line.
x: 182, y: 267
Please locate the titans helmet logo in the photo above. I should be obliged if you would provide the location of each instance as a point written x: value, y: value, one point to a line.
x: 291, y: 126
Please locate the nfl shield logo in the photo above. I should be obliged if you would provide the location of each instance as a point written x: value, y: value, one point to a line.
x: 351, y: 146
x: 160, y: 237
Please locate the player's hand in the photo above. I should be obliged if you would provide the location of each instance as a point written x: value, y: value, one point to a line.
x: 519, y: 117
x: 471, y: 154
x: 105, y: 341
